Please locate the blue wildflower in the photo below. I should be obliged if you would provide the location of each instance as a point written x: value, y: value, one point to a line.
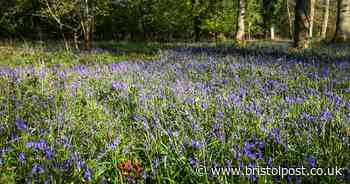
x: 235, y: 99
x: 75, y: 85
x: 309, y: 118
x: 195, y: 144
x: 326, y: 115
x: 20, y: 124
x: 277, y: 135
x: 115, y: 143
x: 30, y: 144
x: 36, y: 169
x: 193, y: 161
x: 39, y: 145
x: 14, y: 137
x: 289, y: 100
x: 49, y: 154
x: 146, y: 144
x: 81, y: 164
x: 247, y: 150
x: 87, y: 175
x: 254, y: 150
x: 338, y: 101
x: 119, y: 85
x: 145, y: 125
x: 155, y: 165
x: 67, y: 164
x: 242, y: 92
x: 220, y: 114
x: 144, y: 175
x: 311, y: 161
x: 182, y: 148
x: 252, y: 176
x: 21, y: 157
x: 219, y: 132
x: 195, y: 127
x: 269, y: 162
x: 205, y: 106
x: 64, y: 142
x: 325, y: 71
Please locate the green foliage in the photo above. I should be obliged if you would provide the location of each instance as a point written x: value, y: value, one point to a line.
x: 15, y: 15
x: 157, y: 20
x: 221, y: 17
x: 254, y: 17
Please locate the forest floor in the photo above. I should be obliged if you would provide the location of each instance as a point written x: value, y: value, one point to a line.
x: 51, y: 53
x: 130, y: 112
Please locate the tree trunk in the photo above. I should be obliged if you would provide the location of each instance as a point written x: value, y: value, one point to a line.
x: 325, y: 19
x: 289, y: 20
x: 87, y: 24
x: 87, y: 37
x: 76, y: 40
x: 302, y: 24
x: 240, y: 25
x: 312, y: 15
x: 272, y: 31
x: 343, y: 21
x: 66, y: 44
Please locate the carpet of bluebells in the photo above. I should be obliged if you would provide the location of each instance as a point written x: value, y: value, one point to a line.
x: 157, y: 121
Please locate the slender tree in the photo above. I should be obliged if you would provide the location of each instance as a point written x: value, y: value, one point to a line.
x: 87, y: 22
x: 77, y: 16
x: 240, y: 23
x: 312, y: 15
x: 343, y: 21
x: 325, y: 19
x: 290, y: 22
x: 302, y: 24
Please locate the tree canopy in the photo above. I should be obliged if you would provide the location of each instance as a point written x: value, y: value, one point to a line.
x: 167, y: 20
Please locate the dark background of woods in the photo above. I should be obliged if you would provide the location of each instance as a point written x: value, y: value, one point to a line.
x: 170, y: 20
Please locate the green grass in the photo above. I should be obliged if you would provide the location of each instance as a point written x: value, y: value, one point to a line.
x: 53, y: 53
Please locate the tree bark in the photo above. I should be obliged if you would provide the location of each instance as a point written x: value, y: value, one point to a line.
x: 76, y: 40
x: 240, y: 25
x: 272, y: 31
x: 66, y: 44
x: 302, y: 24
x: 87, y: 24
x: 325, y: 20
x: 343, y: 21
x: 312, y: 15
x: 87, y: 38
x: 289, y: 20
